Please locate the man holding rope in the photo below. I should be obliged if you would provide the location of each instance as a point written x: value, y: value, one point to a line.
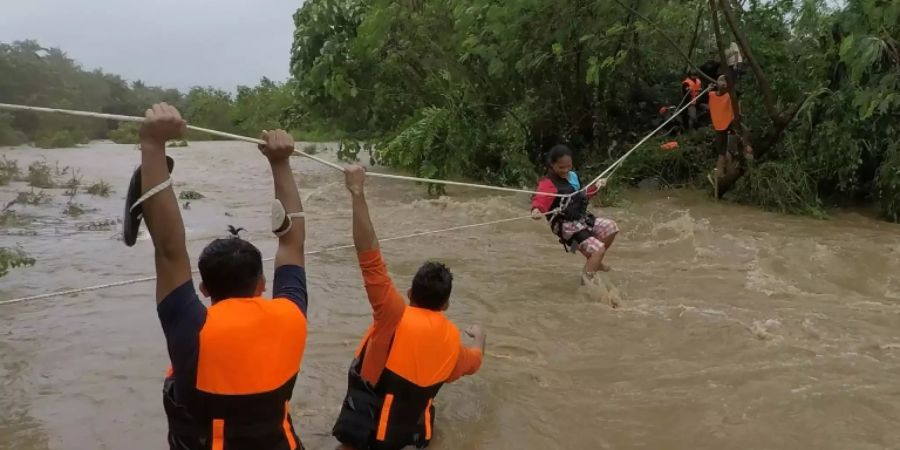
x: 234, y: 364
x: 408, y: 353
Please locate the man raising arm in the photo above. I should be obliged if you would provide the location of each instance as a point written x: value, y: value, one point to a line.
x: 407, y: 354
x: 234, y: 364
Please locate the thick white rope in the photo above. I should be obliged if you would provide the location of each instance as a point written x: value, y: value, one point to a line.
x: 236, y: 137
x: 609, y: 170
x: 340, y: 247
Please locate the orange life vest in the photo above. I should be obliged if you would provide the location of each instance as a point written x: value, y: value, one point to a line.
x: 720, y: 110
x: 693, y: 86
x: 399, y: 410
x: 250, y: 351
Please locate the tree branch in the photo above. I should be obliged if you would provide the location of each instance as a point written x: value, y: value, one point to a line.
x: 696, y: 32
x: 667, y: 38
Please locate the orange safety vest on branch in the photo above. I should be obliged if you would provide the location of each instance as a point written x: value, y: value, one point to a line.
x: 423, y: 354
x: 694, y: 87
x: 250, y: 350
x: 720, y: 110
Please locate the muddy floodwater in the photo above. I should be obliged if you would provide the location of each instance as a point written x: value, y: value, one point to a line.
x: 738, y: 329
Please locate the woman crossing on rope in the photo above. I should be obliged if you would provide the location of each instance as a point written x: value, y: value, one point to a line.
x: 573, y: 224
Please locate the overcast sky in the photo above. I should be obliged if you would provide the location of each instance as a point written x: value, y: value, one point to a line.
x: 170, y: 43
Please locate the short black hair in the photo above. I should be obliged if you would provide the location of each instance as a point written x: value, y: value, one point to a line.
x: 557, y: 152
x: 431, y: 286
x: 229, y: 268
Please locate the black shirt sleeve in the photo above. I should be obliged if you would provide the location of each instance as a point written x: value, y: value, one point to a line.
x: 182, y: 316
x: 290, y: 283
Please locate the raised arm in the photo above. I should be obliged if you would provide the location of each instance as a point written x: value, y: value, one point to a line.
x: 387, y: 303
x: 278, y: 149
x: 363, y: 232
x: 173, y: 267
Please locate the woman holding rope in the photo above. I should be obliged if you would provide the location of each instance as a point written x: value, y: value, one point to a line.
x: 575, y: 226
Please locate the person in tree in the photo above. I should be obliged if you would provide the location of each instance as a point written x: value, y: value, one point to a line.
x: 735, y: 61
x: 408, y: 353
x: 691, y: 87
x: 576, y: 228
x: 722, y: 115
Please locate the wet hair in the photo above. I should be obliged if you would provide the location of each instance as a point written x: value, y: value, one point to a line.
x: 230, y: 267
x: 431, y: 286
x: 557, y: 152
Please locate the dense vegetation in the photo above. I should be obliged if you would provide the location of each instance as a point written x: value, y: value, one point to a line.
x: 34, y: 75
x: 479, y: 88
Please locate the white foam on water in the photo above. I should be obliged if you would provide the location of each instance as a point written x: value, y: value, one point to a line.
x: 599, y: 288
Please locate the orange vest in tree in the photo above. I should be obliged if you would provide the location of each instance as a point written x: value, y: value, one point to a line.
x: 693, y: 86
x: 720, y: 110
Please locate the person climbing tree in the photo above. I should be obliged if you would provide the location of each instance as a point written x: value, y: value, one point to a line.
x: 722, y: 115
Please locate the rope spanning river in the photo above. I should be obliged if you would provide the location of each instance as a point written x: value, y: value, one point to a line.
x: 736, y: 328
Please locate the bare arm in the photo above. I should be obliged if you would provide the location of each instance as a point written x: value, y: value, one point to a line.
x: 173, y: 267
x: 278, y: 149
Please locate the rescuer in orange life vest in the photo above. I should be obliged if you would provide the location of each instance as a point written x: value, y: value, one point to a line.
x: 722, y: 115
x: 691, y: 86
x: 408, y: 352
x: 234, y: 364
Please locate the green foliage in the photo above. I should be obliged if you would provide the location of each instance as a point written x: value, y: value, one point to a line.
x: 126, y: 133
x: 74, y: 209
x: 34, y: 75
x: 11, y: 258
x: 317, y: 132
x: 9, y: 135
x: 783, y: 186
x: 40, y: 175
x: 688, y: 163
x: 72, y: 184
x: 9, y: 218
x: 478, y: 88
x: 100, y: 188
x: 60, y: 138
x: 348, y: 151
x: 9, y: 170
x: 32, y: 198
x: 310, y: 149
x: 889, y: 185
x: 263, y: 107
x: 190, y: 195
x: 209, y: 108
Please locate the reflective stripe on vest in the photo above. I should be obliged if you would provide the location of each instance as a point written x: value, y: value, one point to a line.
x: 720, y: 110
x: 424, y: 351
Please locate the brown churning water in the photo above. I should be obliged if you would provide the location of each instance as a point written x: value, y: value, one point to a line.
x: 738, y: 329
